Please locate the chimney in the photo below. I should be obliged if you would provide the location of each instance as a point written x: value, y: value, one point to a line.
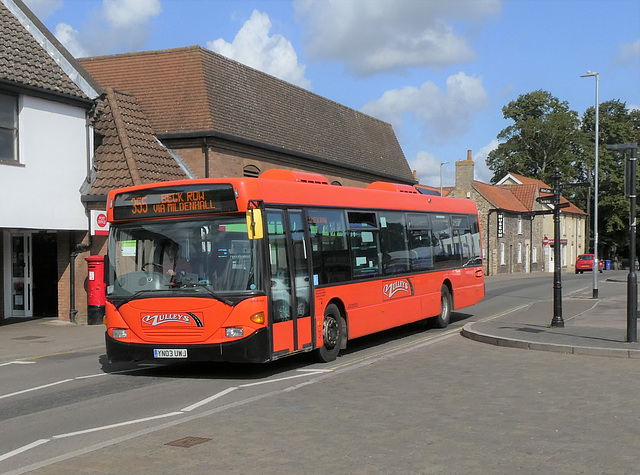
x: 464, y: 174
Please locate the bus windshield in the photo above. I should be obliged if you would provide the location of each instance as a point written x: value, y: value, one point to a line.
x: 205, y: 257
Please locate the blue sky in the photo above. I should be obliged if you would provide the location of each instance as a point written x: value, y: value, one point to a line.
x: 439, y: 71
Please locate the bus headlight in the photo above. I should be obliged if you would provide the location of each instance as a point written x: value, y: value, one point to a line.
x: 119, y: 333
x: 234, y: 332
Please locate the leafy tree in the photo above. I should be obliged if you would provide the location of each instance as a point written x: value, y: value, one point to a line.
x: 617, y: 125
x: 545, y: 135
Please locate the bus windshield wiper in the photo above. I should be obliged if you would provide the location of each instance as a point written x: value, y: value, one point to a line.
x: 203, y: 285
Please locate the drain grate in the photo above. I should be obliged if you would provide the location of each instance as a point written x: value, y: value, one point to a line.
x: 188, y: 442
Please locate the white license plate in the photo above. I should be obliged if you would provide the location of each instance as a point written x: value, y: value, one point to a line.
x: 170, y: 353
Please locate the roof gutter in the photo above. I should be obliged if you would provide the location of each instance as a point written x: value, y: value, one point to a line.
x: 274, y: 148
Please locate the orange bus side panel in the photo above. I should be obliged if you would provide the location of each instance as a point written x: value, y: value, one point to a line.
x: 304, y: 332
x: 283, y: 336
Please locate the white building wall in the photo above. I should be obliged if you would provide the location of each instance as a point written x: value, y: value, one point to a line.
x: 42, y: 192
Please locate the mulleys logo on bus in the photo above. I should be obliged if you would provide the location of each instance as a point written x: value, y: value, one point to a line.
x: 397, y: 288
x: 160, y: 318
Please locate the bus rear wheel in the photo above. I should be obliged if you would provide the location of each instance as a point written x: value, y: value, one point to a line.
x: 446, y: 304
x: 332, y: 334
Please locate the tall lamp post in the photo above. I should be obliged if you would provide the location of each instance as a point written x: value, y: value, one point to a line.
x: 441, y: 163
x: 596, y: 262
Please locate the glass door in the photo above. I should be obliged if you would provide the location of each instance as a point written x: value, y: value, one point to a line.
x: 19, y: 297
x: 290, y: 310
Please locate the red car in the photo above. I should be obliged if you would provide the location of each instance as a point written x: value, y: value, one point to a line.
x: 585, y: 262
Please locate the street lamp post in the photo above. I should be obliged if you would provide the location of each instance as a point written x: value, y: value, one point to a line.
x: 441, y: 163
x: 596, y: 262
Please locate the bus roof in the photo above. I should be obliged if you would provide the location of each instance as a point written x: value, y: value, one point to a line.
x: 275, y: 187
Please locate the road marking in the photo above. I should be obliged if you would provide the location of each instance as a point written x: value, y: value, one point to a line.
x: 52, y: 354
x: 119, y: 424
x: 321, y: 373
x: 209, y: 399
x: 506, y: 312
x: 18, y: 362
x: 23, y: 449
x: 35, y: 389
x: 268, y: 381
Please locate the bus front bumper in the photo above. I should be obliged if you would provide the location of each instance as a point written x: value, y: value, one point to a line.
x: 252, y: 349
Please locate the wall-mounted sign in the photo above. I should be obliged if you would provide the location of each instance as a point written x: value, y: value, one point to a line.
x: 500, y: 225
x: 99, y: 224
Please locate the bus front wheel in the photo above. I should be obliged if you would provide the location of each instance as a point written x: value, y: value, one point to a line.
x: 332, y: 334
x: 446, y: 304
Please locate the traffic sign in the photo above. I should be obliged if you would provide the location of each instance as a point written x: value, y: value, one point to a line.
x: 545, y: 241
x: 546, y: 190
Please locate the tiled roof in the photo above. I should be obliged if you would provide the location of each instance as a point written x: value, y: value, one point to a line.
x: 500, y: 197
x: 526, y: 193
x: 127, y: 153
x: 25, y: 62
x: 519, y: 198
x: 193, y: 89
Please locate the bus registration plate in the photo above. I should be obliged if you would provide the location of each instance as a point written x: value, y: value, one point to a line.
x: 170, y: 353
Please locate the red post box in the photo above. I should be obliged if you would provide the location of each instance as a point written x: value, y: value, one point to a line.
x: 96, y: 291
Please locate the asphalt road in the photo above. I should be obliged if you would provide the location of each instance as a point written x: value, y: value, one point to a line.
x: 410, y: 400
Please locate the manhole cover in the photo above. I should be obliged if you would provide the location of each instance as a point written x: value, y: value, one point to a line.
x: 188, y: 442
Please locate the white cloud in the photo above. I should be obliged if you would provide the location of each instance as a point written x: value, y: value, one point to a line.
x: 628, y: 53
x: 70, y: 38
x: 427, y: 167
x: 129, y: 14
x: 120, y: 25
x: 481, y: 171
x: 43, y: 8
x: 254, y: 47
x: 441, y: 113
x: 382, y: 35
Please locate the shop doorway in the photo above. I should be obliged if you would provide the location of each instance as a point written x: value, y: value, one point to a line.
x: 30, y: 274
x: 45, y: 275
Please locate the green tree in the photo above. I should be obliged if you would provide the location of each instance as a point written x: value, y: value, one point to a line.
x: 545, y: 135
x: 617, y: 125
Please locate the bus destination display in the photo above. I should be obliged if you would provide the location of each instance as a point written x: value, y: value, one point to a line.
x: 174, y: 201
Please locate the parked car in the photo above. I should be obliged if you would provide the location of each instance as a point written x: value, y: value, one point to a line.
x: 585, y: 262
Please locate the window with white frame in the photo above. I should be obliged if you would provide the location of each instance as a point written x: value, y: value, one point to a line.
x: 8, y: 128
x: 519, y: 224
x: 519, y: 253
x: 534, y: 255
x: 502, y: 260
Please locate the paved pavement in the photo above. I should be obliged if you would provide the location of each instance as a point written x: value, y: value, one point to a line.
x: 596, y: 327
x: 591, y: 327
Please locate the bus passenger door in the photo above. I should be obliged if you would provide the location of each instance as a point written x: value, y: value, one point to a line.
x: 290, y: 303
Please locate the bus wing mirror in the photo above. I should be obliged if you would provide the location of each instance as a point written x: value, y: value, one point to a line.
x: 254, y: 223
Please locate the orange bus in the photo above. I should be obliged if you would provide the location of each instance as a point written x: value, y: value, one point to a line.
x: 254, y: 269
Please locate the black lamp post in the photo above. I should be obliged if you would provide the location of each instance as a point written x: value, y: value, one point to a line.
x: 557, y: 320
x: 632, y: 280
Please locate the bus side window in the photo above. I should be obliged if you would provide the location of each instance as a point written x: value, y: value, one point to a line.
x: 330, y: 252
x: 420, y: 242
x: 445, y: 242
x: 364, y: 240
x: 393, y: 243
